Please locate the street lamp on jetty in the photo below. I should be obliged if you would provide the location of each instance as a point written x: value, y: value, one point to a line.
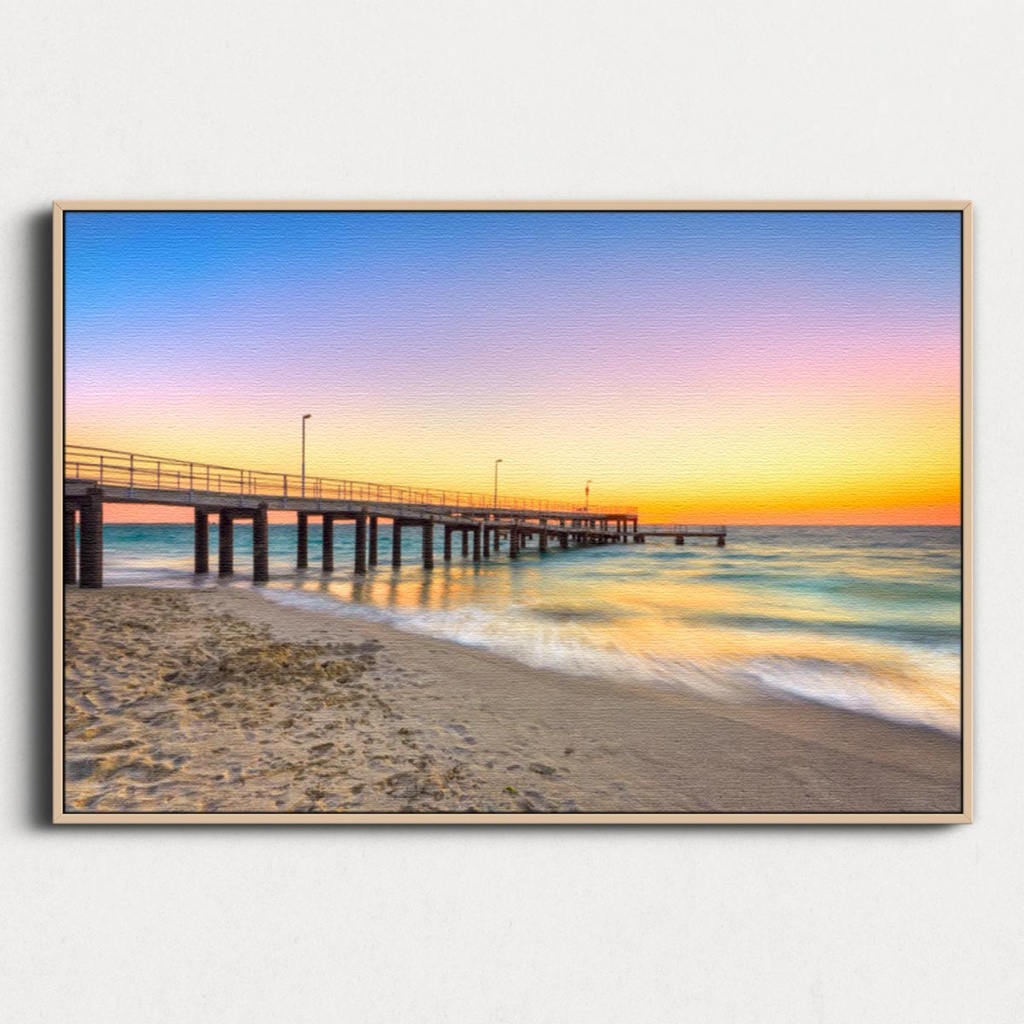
x: 496, y: 461
x: 305, y: 417
x: 586, y: 507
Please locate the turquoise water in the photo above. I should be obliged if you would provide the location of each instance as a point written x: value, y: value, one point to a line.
x: 866, y: 618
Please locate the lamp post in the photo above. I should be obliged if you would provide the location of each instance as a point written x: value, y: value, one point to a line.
x: 496, y: 461
x: 586, y: 507
x: 307, y: 416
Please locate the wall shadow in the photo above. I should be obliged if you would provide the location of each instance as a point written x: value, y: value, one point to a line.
x: 38, y: 230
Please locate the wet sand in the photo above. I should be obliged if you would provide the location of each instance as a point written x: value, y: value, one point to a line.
x: 221, y: 701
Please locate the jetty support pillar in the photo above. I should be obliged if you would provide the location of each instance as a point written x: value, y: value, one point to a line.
x: 396, y: 543
x: 465, y: 542
x: 70, y: 554
x: 721, y: 540
x: 327, y: 554
x: 225, y: 543
x: 448, y: 542
x: 201, y: 542
x: 428, y: 544
x: 373, y: 541
x: 91, y: 538
x: 487, y: 540
x: 260, y: 545
x: 360, y: 566
x: 477, y: 531
x: 302, y: 541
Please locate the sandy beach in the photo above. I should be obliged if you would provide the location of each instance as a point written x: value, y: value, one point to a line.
x: 221, y: 701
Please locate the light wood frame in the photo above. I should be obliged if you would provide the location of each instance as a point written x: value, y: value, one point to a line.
x: 61, y: 816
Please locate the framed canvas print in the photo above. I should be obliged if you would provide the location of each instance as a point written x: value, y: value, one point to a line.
x: 525, y: 513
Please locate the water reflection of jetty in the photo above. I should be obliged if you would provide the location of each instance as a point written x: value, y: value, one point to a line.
x: 96, y: 476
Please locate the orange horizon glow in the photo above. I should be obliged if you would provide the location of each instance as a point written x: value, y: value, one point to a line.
x: 932, y: 515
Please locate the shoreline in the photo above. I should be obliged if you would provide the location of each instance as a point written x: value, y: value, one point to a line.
x: 224, y: 701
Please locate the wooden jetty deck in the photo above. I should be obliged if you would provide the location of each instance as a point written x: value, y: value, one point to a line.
x: 679, y: 533
x: 97, y: 476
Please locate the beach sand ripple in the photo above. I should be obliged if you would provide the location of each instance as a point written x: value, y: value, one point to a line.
x: 171, y: 707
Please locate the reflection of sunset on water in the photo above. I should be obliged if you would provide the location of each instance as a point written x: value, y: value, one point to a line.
x: 867, y: 619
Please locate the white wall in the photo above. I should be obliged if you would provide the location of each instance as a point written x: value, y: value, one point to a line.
x: 522, y: 100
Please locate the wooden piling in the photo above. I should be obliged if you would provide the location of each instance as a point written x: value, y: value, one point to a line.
x: 448, y: 542
x: 360, y: 566
x: 373, y: 540
x: 428, y: 544
x: 91, y: 540
x: 225, y: 543
x: 302, y: 541
x: 477, y: 530
x: 680, y: 540
x: 513, y: 542
x: 542, y: 546
x: 70, y: 553
x: 465, y: 541
x: 201, y: 542
x: 327, y: 544
x: 487, y: 540
x: 396, y: 543
x: 721, y: 541
x: 260, y: 545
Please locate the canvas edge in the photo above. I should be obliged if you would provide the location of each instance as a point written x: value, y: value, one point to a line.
x: 965, y: 816
x: 256, y: 205
x: 58, y: 511
x: 967, y: 510
x: 428, y: 818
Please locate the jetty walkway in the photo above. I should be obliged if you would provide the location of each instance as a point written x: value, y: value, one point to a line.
x: 97, y: 476
x: 680, y: 533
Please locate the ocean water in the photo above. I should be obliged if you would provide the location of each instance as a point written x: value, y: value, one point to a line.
x: 864, y: 618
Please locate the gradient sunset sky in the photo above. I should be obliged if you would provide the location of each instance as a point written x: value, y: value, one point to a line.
x: 729, y: 367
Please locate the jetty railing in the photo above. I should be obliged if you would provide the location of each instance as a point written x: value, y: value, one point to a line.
x: 159, y: 474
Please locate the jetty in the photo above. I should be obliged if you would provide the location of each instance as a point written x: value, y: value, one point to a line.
x: 680, y: 533
x: 94, y: 477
